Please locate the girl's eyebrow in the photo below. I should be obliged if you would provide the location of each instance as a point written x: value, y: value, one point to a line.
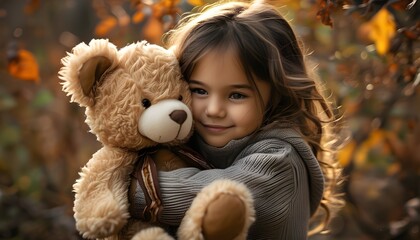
x: 191, y: 81
x: 235, y: 86
x: 246, y: 86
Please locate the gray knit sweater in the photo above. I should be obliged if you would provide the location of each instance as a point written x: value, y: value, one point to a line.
x: 276, y: 165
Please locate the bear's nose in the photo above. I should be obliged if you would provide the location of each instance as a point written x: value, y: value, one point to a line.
x: 178, y: 116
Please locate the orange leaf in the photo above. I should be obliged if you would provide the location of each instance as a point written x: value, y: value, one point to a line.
x: 105, y: 26
x: 169, y: 3
x: 158, y: 10
x: 24, y: 66
x: 153, y: 31
x: 138, y: 17
x: 32, y: 6
x: 196, y: 2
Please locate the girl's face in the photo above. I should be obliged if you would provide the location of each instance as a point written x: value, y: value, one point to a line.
x: 225, y: 105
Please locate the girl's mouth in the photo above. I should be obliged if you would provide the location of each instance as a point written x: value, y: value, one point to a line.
x: 215, y: 128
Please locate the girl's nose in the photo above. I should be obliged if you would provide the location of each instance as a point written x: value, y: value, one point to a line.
x: 215, y: 108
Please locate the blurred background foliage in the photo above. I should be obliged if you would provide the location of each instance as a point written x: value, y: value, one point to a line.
x: 367, y: 54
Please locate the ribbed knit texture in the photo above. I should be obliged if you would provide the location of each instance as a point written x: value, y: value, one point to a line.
x: 276, y: 165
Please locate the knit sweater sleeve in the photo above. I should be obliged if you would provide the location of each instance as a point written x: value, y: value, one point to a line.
x: 275, y: 174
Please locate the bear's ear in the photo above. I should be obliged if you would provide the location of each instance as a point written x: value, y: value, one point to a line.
x: 92, y: 71
x: 84, y: 67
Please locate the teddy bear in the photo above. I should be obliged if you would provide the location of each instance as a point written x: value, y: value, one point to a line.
x: 138, y: 106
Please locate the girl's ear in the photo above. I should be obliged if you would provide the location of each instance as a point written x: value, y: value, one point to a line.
x: 84, y: 67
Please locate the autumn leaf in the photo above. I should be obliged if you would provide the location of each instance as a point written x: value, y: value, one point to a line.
x: 24, y: 66
x: 381, y: 29
x: 345, y: 154
x: 138, y: 17
x: 105, y: 26
x: 153, y: 30
x: 32, y: 6
x: 324, y: 12
x: 196, y: 2
x: 170, y: 3
x: 375, y: 139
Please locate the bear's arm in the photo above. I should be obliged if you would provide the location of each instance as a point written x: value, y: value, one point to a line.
x: 101, y: 205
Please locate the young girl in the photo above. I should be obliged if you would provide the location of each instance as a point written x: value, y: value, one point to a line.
x: 260, y: 119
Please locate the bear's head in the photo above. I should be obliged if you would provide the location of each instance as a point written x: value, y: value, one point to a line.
x: 134, y: 97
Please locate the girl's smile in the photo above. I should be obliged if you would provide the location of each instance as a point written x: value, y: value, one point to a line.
x: 211, y: 128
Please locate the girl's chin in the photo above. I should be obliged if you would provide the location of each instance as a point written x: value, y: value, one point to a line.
x: 216, y: 142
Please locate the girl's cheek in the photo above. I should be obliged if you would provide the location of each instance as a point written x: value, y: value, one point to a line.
x: 196, y: 107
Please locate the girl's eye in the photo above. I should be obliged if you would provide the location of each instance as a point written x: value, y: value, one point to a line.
x: 237, y: 96
x: 198, y: 91
x: 146, y: 103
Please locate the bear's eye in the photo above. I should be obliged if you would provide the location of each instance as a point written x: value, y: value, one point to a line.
x: 180, y: 98
x: 146, y: 103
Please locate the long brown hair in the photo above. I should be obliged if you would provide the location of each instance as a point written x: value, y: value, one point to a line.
x: 268, y: 50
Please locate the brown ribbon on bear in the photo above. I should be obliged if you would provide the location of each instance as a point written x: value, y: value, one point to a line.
x: 146, y: 174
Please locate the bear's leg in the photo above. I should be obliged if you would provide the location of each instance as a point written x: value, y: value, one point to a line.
x: 224, y: 225
x: 153, y: 233
x: 222, y: 210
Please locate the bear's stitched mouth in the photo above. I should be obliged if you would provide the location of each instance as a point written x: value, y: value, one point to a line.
x: 176, y: 136
x: 179, y: 132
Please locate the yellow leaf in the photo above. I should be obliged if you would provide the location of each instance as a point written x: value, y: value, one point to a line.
x: 105, y: 26
x: 24, y: 66
x: 382, y: 30
x: 345, y: 154
x: 375, y: 137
